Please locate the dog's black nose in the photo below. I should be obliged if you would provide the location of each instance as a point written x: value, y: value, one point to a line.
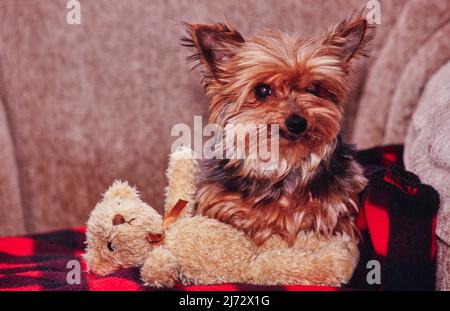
x: 296, y: 124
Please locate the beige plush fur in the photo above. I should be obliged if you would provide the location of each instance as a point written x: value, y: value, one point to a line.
x: 181, y: 184
x: 201, y: 250
x: 123, y: 244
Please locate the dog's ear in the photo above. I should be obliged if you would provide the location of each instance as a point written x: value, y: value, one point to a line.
x: 214, y: 43
x: 351, y: 37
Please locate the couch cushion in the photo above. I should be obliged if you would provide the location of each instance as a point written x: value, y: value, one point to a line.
x: 431, y: 56
x: 416, y: 24
x: 94, y: 102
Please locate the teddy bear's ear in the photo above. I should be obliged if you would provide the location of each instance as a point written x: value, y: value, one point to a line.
x: 121, y: 189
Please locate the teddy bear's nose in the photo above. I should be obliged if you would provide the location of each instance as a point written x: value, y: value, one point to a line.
x: 118, y: 220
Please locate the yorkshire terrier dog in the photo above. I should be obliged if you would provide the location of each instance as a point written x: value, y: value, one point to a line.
x: 300, y: 84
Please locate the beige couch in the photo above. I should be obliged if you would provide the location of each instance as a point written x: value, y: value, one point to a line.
x: 82, y: 105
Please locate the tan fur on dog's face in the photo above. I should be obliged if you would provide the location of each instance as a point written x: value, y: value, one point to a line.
x: 308, y: 77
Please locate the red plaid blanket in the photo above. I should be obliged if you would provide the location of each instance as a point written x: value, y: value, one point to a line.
x: 41, y: 262
x: 44, y: 261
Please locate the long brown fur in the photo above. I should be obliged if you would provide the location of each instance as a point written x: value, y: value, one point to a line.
x: 316, y: 185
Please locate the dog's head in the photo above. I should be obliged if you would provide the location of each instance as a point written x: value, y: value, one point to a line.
x: 299, y: 84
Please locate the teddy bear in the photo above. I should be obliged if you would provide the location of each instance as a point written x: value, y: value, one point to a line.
x: 117, y: 230
x: 200, y: 250
x: 192, y: 249
x: 123, y: 231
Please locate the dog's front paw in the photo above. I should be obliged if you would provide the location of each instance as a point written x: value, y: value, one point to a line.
x: 160, y: 269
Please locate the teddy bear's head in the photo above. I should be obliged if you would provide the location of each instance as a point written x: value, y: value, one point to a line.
x: 118, y: 230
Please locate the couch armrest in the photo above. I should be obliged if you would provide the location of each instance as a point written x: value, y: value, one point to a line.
x: 427, y: 151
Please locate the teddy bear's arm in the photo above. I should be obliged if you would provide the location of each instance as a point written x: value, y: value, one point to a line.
x: 160, y: 269
x: 181, y: 179
x: 333, y: 265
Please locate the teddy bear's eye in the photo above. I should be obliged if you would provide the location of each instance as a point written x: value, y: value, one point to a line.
x: 154, y: 237
x: 110, y: 247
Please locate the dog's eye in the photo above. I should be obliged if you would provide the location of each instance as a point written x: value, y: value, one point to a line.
x: 262, y: 91
x: 110, y: 247
x: 314, y: 89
